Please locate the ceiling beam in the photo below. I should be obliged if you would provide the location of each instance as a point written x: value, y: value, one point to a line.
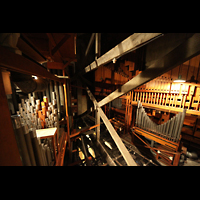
x: 52, y: 41
x: 186, y: 50
x: 18, y: 63
x: 55, y: 49
x: 129, y: 44
x: 90, y: 44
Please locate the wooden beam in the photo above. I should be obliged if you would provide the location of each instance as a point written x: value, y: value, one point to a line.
x: 188, y: 49
x: 15, y: 62
x: 52, y: 41
x: 90, y: 44
x: 69, y: 61
x: 126, y: 155
x: 67, y: 113
x: 30, y: 50
x: 9, y: 153
x: 55, y: 65
x: 129, y: 44
x: 55, y: 49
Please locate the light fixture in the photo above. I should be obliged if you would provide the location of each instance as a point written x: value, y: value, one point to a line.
x: 179, y: 80
x: 35, y: 77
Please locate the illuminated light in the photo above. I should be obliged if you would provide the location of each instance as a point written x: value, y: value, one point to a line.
x: 88, y: 137
x: 114, y: 60
x: 35, y: 77
x: 91, y: 151
x: 79, y: 127
x: 180, y: 80
x: 108, y: 144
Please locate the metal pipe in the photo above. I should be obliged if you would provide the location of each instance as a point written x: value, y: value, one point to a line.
x: 137, y: 113
x: 181, y: 124
x: 57, y: 96
x: 171, y: 128
x: 47, y: 92
x: 177, y: 126
x: 167, y: 128
x: 142, y: 118
x: 36, y: 149
x: 29, y: 145
x: 51, y: 90
x: 19, y: 132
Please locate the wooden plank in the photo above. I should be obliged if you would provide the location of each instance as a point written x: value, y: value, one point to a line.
x: 15, y: 62
x: 167, y: 108
x: 188, y: 49
x: 156, y: 138
x: 90, y: 44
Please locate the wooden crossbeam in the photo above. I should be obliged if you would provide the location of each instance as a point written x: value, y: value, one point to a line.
x: 52, y: 41
x: 129, y: 44
x: 125, y: 153
x: 15, y: 62
x: 55, y: 49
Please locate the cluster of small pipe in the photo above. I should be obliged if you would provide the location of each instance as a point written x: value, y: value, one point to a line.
x: 33, y: 115
x: 32, y: 151
x: 36, y: 115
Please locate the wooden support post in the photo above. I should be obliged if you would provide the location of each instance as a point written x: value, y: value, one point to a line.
x: 67, y: 116
x: 97, y: 121
x: 9, y: 153
x: 97, y: 45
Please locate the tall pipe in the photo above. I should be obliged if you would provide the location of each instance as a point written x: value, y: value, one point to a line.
x: 62, y: 101
x: 19, y: 130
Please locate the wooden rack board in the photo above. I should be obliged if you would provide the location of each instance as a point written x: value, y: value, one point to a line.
x: 165, y: 94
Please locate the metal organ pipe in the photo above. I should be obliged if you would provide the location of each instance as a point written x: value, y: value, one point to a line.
x: 170, y: 130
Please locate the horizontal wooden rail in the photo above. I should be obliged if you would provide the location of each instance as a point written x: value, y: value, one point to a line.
x: 15, y: 62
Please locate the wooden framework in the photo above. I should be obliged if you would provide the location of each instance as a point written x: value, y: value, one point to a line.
x: 174, y: 151
x: 169, y: 95
x: 188, y: 49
